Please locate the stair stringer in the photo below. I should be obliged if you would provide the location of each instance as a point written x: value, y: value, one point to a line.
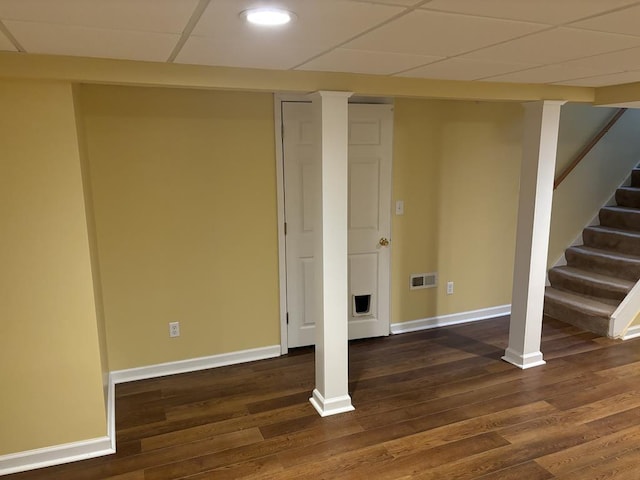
x: 595, y: 221
x: 626, y: 313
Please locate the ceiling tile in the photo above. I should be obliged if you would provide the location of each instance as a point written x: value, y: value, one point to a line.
x: 553, y: 12
x: 163, y: 16
x: 623, y: 21
x: 603, y: 80
x: 613, y: 62
x: 440, y: 34
x: 462, y: 69
x: 404, y: 3
x: 554, y: 46
x: 222, y: 37
x: 5, y: 43
x: 226, y: 52
x: 545, y: 74
x: 361, y: 61
x: 92, y: 42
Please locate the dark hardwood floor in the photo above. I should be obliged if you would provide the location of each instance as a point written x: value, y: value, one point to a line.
x: 438, y: 404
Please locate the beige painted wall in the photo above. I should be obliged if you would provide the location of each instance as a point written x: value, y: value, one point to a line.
x: 184, y: 189
x: 456, y: 166
x: 50, y: 368
x: 579, y: 198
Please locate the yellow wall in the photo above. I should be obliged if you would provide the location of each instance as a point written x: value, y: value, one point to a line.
x: 456, y: 166
x: 579, y: 198
x: 184, y: 189
x: 49, y: 354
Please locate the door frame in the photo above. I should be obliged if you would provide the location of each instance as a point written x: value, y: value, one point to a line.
x: 279, y: 99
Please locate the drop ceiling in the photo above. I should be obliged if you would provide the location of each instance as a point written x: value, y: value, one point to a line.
x: 569, y: 42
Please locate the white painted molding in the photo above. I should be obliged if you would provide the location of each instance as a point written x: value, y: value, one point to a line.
x: 56, y: 455
x: 595, y: 221
x: 528, y: 360
x: 632, y: 332
x: 278, y: 99
x: 195, y: 364
x: 330, y: 406
x: 625, y: 313
x: 111, y: 412
x: 452, y: 319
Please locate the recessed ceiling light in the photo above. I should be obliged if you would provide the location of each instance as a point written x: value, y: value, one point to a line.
x: 270, y: 17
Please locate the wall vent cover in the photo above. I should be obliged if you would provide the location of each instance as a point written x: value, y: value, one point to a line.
x: 423, y: 280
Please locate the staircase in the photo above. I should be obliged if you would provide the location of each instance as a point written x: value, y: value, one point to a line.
x: 600, y: 273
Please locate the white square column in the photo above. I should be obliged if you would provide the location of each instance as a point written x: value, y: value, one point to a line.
x: 331, y: 395
x: 541, y: 122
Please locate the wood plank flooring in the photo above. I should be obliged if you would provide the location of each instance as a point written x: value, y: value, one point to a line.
x: 438, y: 404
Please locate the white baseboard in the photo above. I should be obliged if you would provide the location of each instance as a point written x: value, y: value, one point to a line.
x: 194, y: 364
x: 632, y: 332
x: 330, y: 406
x: 56, y: 455
x: 96, y: 447
x: 523, y: 361
x: 452, y: 319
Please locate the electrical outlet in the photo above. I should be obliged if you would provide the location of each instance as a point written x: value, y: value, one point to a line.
x: 174, y: 329
x: 449, y: 288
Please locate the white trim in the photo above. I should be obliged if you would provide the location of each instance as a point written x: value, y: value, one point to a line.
x: 625, y: 313
x: 333, y: 406
x: 632, y: 332
x: 452, y: 319
x: 595, y: 221
x: 56, y: 455
x: 525, y: 361
x: 195, y: 364
x: 111, y: 412
x: 282, y: 259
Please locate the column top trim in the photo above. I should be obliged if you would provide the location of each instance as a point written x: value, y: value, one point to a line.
x: 545, y: 102
x: 331, y: 93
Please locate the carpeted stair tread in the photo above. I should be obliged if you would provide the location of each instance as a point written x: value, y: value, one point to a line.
x: 628, y: 197
x: 589, y: 283
x: 604, y: 262
x: 580, y: 310
x: 582, y: 303
x: 635, y: 177
x: 610, y: 238
x: 626, y: 218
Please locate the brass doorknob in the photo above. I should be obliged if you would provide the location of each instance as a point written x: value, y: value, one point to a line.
x: 383, y: 242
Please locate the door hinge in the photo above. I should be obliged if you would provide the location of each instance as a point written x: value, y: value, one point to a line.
x: 285, y: 228
x: 287, y: 318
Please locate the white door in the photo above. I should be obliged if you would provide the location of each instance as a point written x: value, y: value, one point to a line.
x: 370, y: 150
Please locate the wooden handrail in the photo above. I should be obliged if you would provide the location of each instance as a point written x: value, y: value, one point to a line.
x: 583, y: 153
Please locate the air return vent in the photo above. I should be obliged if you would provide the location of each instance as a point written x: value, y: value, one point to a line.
x: 423, y: 280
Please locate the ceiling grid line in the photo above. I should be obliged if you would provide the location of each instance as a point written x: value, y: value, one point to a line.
x: 188, y: 29
x: 407, y: 10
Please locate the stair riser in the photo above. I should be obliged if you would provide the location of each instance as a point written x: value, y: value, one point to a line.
x: 562, y: 312
x: 578, y: 285
x: 605, y: 266
x: 611, y: 241
x: 628, y: 198
x: 635, y: 178
x: 621, y: 220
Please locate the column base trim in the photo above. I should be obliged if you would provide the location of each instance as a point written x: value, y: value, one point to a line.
x: 524, y: 361
x: 331, y: 406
